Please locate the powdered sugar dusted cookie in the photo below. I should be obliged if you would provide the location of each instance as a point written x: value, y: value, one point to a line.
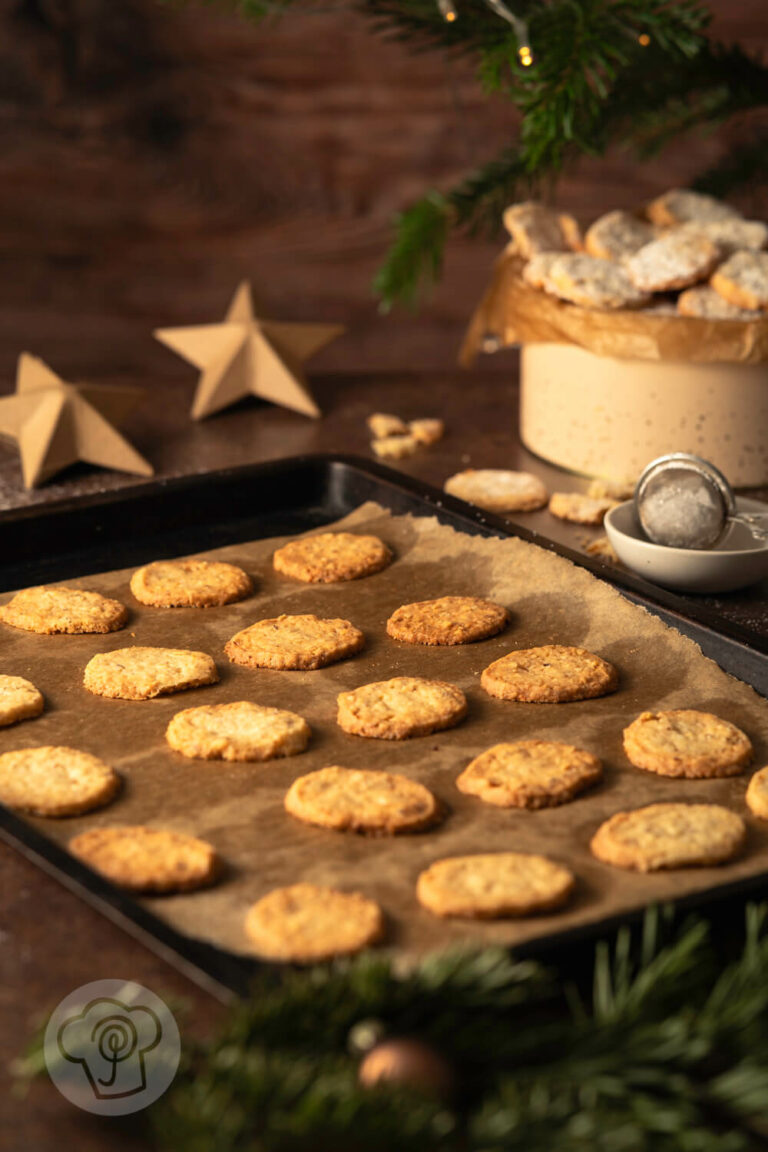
x: 238, y: 731
x: 594, y: 283
x: 704, y: 303
x: 669, y: 836
x: 332, y: 556
x: 493, y: 885
x: 144, y: 859
x: 190, y: 584
x: 55, y: 781
x: 449, y: 620
x: 305, y: 923
x: 358, y: 800
x: 402, y: 707
x: 680, y: 205
x: 294, y: 642
x: 549, y: 674
x: 19, y: 700
x: 537, y: 271
x: 743, y: 280
x: 51, y: 610
x: 579, y: 508
x: 685, y: 742
x: 498, y: 490
x: 617, y: 235
x: 731, y: 235
x: 535, y: 228
x: 675, y: 260
x: 530, y: 774
x: 140, y: 673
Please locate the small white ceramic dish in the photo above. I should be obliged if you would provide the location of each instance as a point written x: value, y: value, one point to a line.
x: 734, y: 562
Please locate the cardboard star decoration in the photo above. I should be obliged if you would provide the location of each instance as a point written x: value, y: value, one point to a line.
x: 57, y: 424
x: 248, y: 355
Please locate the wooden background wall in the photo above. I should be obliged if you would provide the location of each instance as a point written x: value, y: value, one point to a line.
x: 150, y: 157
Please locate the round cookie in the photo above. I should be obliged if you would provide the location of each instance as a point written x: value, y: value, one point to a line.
x: 536, y: 271
x: 498, y: 490
x: 494, y: 884
x: 141, y: 673
x: 358, y: 800
x: 535, y: 228
x: 617, y: 235
x: 306, y: 923
x: 684, y: 742
x: 145, y: 859
x: 743, y: 280
x: 238, y: 731
x: 732, y: 235
x: 294, y: 642
x: 680, y: 205
x: 190, y: 584
x: 530, y: 774
x: 550, y: 674
x: 757, y: 794
x: 400, y: 708
x: 704, y: 303
x: 676, y: 260
x: 594, y: 283
x: 332, y: 556
x: 449, y: 620
x: 55, y: 781
x: 19, y: 700
x: 669, y: 836
x: 580, y: 509
x: 54, y: 610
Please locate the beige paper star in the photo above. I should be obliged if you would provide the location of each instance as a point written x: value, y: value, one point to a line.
x: 56, y: 424
x: 246, y: 355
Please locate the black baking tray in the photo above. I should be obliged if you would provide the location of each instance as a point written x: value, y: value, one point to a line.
x: 196, y: 513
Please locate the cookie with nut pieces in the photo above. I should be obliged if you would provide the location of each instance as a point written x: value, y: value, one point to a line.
x: 400, y: 708
x: 669, y: 835
x: 141, y: 673
x: 237, y: 731
x: 332, y: 556
x: 530, y: 774
x: 295, y: 642
x: 492, y: 885
x: 69, y: 610
x: 190, y: 584
x: 757, y: 794
x: 684, y: 742
x: 448, y: 620
x: 55, y: 781
x: 361, y: 800
x: 549, y: 674
x: 306, y: 923
x: 143, y: 859
x: 19, y: 700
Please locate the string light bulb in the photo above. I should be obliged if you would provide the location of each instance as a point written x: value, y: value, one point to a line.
x: 447, y: 11
x: 644, y: 39
x: 525, y: 55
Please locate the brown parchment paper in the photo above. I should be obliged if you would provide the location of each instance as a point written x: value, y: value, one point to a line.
x: 511, y: 312
x: 239, y: 807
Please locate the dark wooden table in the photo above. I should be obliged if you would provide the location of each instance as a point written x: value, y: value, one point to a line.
x: 50, y: 942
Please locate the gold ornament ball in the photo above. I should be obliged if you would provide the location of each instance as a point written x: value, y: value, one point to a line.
x: 408, y: 1062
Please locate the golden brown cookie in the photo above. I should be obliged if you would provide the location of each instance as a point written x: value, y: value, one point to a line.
x: 55, y: 781
x: 19, y: 700
x: 190, y: 584
x: 140, y: 673
x: 743, y: 280
x: 52, y: 610
x: 617, y: 235
x: 332, y: 556
x: 494, y: 884
x: 382, y: 424
x: 145, y: 859
x: 530, y: 774
x: 306, y: 923
x: 676, y: 260
x: 594, y: 283
x: 395, y: 447
x: 613, y: 489
x: 706, y: 304
x: 757, y: 794
x: 602, y: 548
x: 684, y: 742
x: 428, y: 430
x: 402, y: 707
x: 733, y: 234
x: 498, y: 490
x: 535, y: 228
x: 578, y: 508
x: 680, y: 205
x: 537, y: 271
x: 549, y: 674
x: 238, y: 731
x: 449, y: 620
x: 669, y: 836
x: 358, y: 800
x: 293, y: 642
